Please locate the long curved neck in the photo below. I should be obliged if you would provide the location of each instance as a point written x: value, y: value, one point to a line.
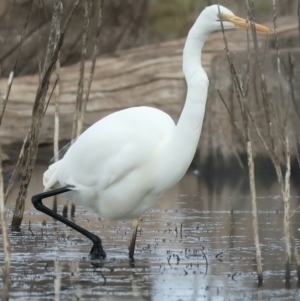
x: 183, y: 144
x: 193, y: 48
x: 191, y: 118
x: 189, y: 126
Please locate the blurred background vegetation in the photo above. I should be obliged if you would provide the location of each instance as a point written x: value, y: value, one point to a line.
x: 126, y: 24
x: 171, y: 19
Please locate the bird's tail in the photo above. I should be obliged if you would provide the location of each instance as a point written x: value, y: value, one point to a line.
x: 50, y: 176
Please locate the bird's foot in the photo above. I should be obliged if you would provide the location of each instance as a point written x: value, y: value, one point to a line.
x: 97, y: 251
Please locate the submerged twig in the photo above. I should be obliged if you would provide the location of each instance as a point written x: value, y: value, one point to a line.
x: 181, y: 230
x: 29, y: 228
x: 206, y: 263
x: 233, y: 275
x: 168, y: 259
x: 217, y: 256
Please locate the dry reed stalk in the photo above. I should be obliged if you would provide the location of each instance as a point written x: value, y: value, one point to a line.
x: 5, y: 38
x: 286, y: 201
x: 20, y: 160
x: 38, y: 109
x: 240, y: 93
x: 6, y: 247
x: 16, y: 169
x: 76, y: 130
x: 21, y: 155
x: 286, y: 192
x: 254, y: 208
x: 292, y: 94
x: 239, y: 132
x: 247, y: 84
x: 22, y: 36
x: 253, y: 193
x: 57, y: 281
x: 267, y: 101
x: 268, y: 106
x: 236, y: 125
x: 94, y: 58
x: 56, y: 112
x: 5, y: 98
x: 87, y: 95
x: 40, y: 37
x: 80, y: 87
x: 297, y: 256
x: 80, y: 102
x: 284, y: 137
x: 299, y: 19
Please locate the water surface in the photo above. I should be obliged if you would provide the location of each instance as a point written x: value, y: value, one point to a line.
x: 195, y: 244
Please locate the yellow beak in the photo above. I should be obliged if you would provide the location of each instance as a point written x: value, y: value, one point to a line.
x: 240, y: 22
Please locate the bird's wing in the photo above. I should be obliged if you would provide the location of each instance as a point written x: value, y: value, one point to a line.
x: 112, y: 148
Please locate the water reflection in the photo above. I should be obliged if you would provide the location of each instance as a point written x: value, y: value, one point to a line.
x: 196, y: 244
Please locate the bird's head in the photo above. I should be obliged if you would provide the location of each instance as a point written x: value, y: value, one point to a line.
x: 214, y: 15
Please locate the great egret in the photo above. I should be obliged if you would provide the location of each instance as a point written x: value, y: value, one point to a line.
x: 122, y: 164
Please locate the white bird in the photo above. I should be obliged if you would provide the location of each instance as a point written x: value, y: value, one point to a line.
x: 122, y: 164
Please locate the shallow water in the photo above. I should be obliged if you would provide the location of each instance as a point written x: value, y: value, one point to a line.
x: 212, y: 258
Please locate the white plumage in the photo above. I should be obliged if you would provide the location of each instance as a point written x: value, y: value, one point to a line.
x: 113, y: 164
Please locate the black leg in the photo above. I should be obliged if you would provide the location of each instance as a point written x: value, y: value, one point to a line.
x: 135, y: 224
x: 97, y: 249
